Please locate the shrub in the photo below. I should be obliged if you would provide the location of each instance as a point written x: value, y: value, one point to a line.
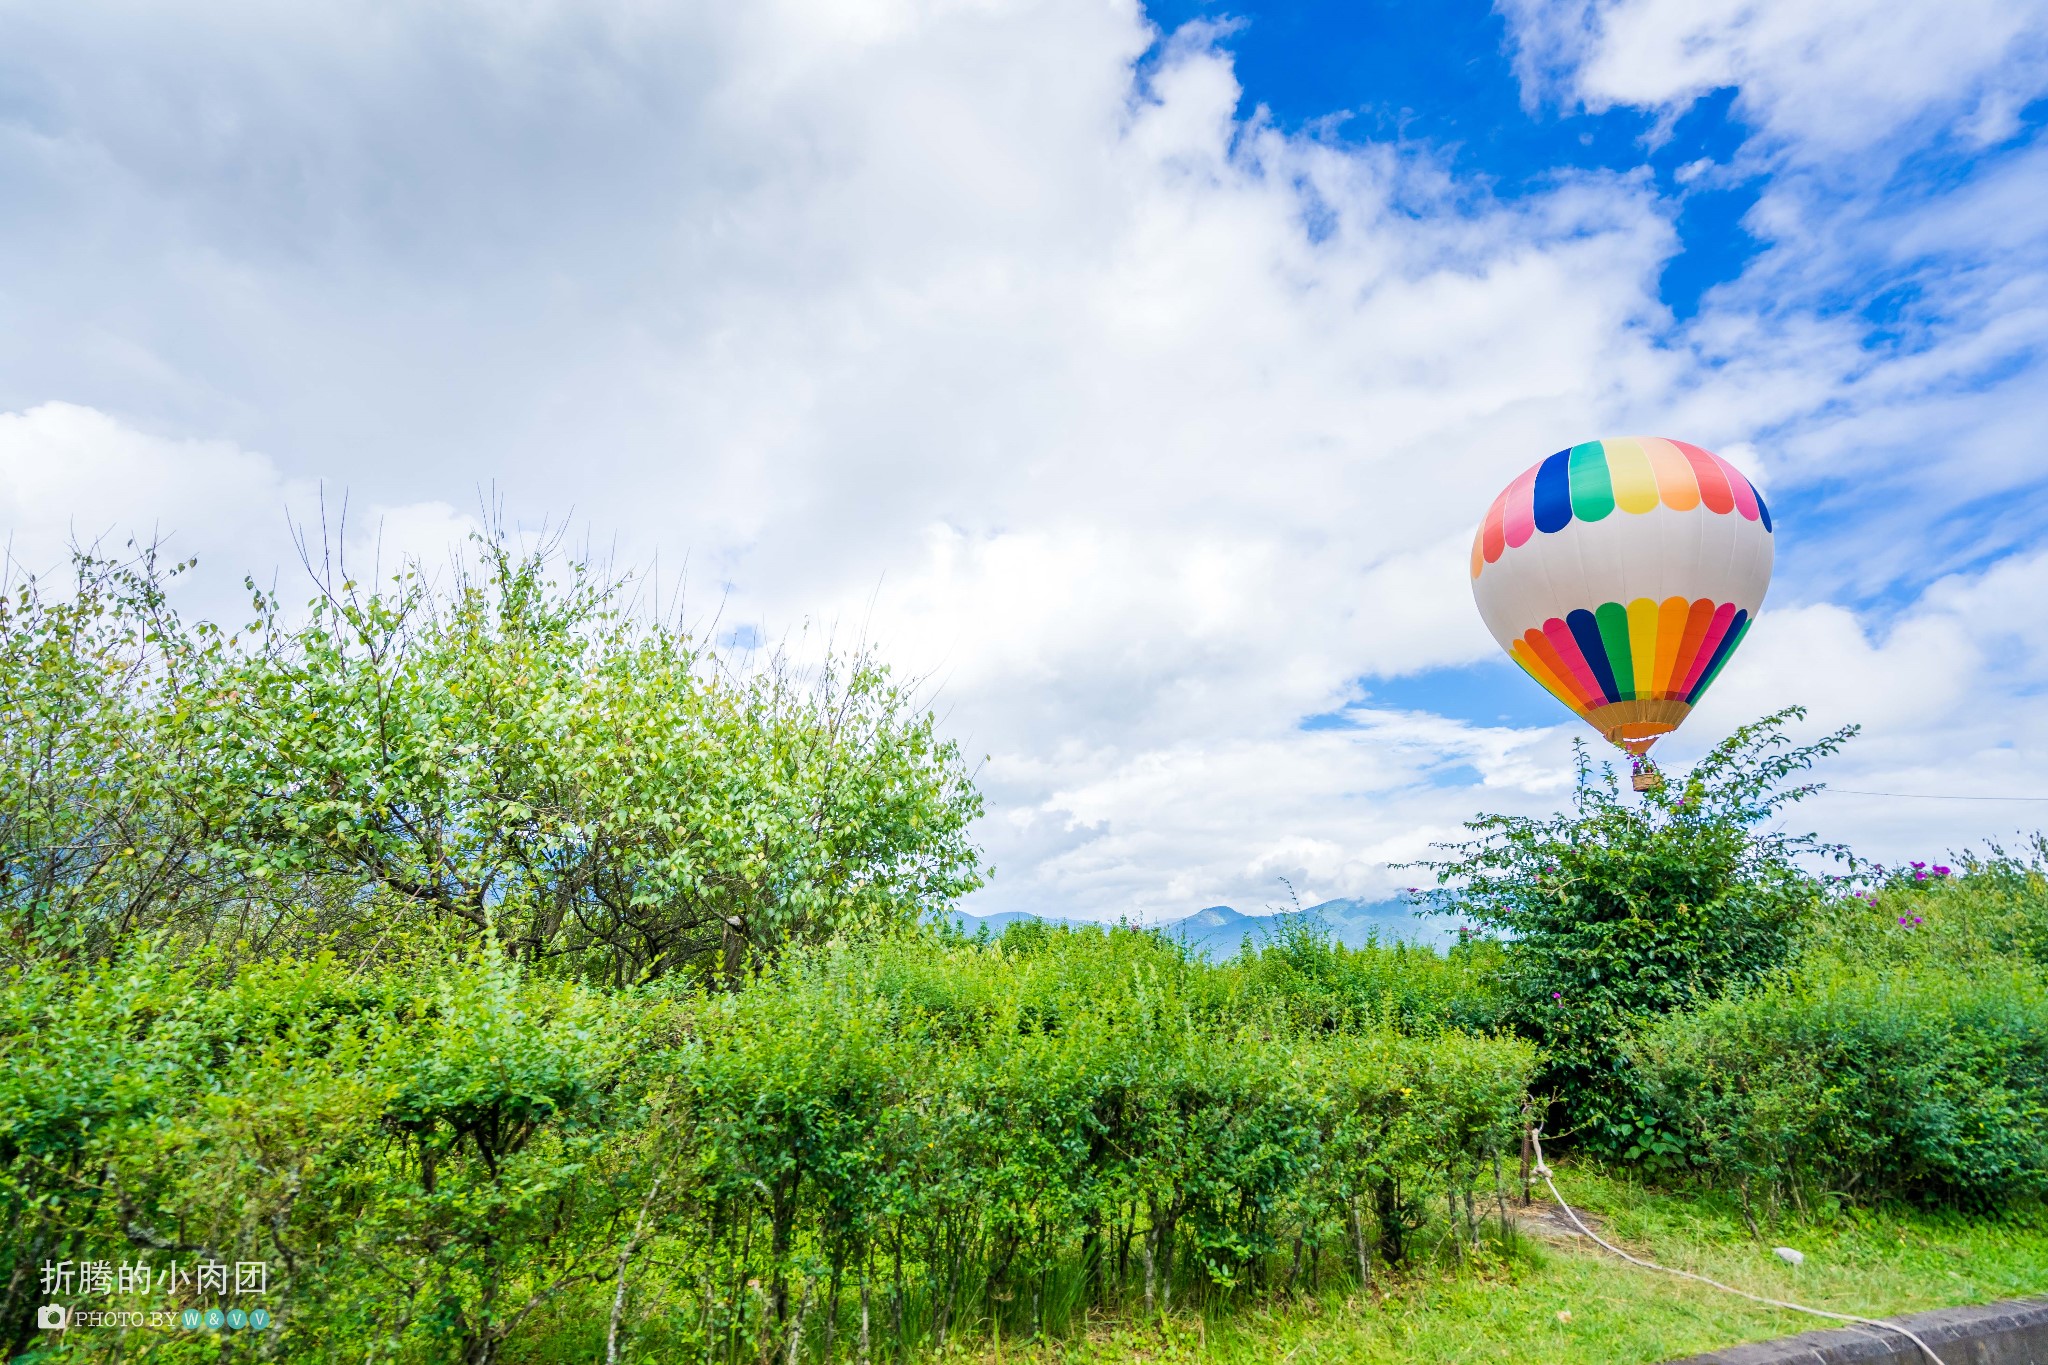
x: 1622, y: 910
x: 1988, y: 907
x: 1929, y: 1084
x: 905, y: 1138
x: 1326, y: 986
x: 1903, y: 1055
x: 515, y: 756
x: 419, y: 1163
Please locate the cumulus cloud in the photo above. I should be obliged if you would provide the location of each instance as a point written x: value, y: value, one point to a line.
x: 1947, y: 695
x: 74, y: 478
x: 71, y: 475
x: 1822, y: 77
x: 1001, y: 334
x: 1886, y: 349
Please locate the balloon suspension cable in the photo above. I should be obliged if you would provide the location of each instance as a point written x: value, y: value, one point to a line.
x: 1542, y: 1169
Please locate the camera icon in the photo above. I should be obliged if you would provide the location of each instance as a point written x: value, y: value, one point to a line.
x: 51, y: 1317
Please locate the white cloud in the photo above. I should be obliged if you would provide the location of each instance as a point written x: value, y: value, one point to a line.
x: 1946, y: 694
x: 1140, y: 427
x: 72, y: 476
x: 69, y: 474
x: 1824, y: 77
x: 1157, y: 831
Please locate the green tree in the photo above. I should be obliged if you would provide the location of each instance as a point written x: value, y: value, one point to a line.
x: 517, y: 755
x: 95, y: 843
x: 1620, y: 910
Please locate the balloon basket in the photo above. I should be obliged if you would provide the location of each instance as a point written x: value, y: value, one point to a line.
x: 1647, y: 780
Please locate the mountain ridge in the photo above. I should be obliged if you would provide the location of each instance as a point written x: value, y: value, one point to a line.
x: 1220, y: 930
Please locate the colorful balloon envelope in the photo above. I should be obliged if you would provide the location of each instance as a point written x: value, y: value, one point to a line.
x: 1622, y: 574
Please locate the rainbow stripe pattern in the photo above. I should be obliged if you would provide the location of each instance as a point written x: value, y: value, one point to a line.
x: 1622, y: 575
x: 1645, y: 651
x: 1594, y: 479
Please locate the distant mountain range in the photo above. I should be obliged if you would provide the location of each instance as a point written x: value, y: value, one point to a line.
x: 1220, y: 930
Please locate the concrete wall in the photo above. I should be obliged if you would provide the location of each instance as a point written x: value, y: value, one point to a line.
x: 2014, y: 1332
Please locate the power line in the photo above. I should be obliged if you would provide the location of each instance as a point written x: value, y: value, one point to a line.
x: 1926, y: 796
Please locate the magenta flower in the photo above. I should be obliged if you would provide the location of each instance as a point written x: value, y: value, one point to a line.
x: 1940, y: 871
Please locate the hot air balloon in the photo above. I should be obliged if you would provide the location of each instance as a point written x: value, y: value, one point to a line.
x: 1622, y: 574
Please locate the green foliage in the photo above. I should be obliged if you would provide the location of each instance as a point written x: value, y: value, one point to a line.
x: 1991, y: 907
x: 1930, y: 1085
x: 1624, y: 909
x: 1904, y: 1055
x: 514, y: 756
x: 464, y: 1161
x: 94, y: 844
x: 421, y: 1161
x: 1326, y: 986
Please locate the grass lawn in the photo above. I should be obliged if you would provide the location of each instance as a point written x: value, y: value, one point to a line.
x: 1529, y: 1300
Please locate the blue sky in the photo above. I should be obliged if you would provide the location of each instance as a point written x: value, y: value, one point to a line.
x: 1442, y: 75
x: 1132, y: 377
x: 1443, y: 78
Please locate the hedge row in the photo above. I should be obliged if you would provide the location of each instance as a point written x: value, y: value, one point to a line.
x: 1904, y: 1055
x: 861, y: 1151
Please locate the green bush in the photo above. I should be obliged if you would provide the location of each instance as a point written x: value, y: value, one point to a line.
x: 1628, y: 908
x: 1326, y: 986
x: 905, y: 1138
x: 1903, y: 1055
x: 1988, y: 907
x: 419, y: 1162
x: 1929, y: 1084
x: 515, y: 755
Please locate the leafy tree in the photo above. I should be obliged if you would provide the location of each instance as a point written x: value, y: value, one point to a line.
x: 94, y: 844
x: 1619, y: 910
x: 516, y: 756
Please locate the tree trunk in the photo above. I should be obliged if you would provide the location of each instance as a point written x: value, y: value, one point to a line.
x: 796, y: 1327
x: 863, y: 1315
x: 1500, y: 1195
x: 1145, y: 1252
x: 1364, y: 1256
x: 611, y: 1336
x: 897, y: 1307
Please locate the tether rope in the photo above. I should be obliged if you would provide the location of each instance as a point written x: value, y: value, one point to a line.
x: 1540, y: 1168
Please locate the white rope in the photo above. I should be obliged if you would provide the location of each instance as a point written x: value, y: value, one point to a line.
x: 1541, y: 1169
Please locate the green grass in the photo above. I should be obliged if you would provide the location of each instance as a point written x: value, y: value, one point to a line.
x: 1506, y: 1306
